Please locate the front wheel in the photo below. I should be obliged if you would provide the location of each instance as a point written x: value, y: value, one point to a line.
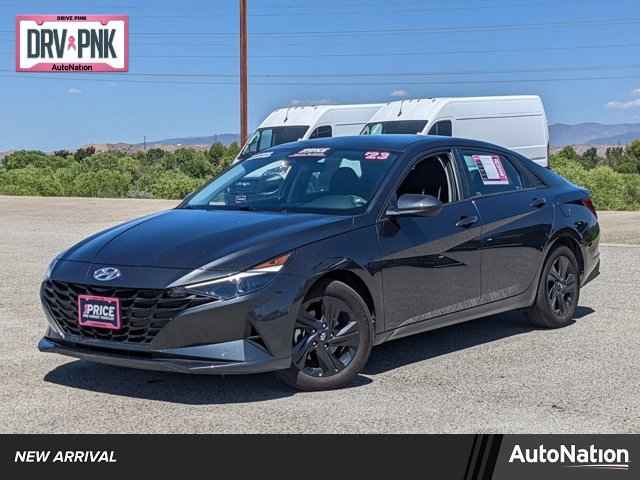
x: 332, y: 339
x: 558, y: 291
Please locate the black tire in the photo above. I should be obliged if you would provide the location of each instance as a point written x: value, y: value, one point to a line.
x: 332, y: 339
x: 558, y: 290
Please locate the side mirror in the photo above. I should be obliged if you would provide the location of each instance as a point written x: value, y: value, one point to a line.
x: 412, y: 204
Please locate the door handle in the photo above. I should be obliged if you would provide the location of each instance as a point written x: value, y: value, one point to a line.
x: 538, y: 202
x: 466, y: 222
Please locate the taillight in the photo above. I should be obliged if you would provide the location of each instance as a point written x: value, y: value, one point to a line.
x: 589, y: 204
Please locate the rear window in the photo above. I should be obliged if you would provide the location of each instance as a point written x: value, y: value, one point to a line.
x: 411, y: 127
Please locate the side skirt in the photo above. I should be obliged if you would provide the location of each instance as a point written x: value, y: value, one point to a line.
x: 524, y: 300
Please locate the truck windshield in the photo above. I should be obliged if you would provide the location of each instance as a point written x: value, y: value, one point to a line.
x: 268, y: 137
x: 398, y: 126
x: 315, y: 180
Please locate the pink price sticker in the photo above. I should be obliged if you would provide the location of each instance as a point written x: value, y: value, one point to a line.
x: 376, y: 155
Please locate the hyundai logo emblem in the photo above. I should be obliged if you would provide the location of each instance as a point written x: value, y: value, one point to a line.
x: 106, y: 274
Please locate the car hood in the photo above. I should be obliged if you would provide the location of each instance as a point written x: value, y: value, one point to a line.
x: 218, y: 240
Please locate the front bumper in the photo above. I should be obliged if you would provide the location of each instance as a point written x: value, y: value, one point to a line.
x: 162, y: 331
x: 235, y: 357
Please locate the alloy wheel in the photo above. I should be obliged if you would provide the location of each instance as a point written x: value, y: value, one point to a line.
x: 326, y: 337
x: 562, y: 286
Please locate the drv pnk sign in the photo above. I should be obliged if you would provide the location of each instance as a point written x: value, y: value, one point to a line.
x: 72, y: 43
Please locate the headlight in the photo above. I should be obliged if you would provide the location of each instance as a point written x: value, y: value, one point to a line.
x: 52, y: 265
x: 241, y: 283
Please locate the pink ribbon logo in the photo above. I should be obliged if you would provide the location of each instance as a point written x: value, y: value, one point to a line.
x: 72, y: 43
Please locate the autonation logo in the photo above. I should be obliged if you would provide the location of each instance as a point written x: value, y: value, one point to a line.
x: 574, y: 457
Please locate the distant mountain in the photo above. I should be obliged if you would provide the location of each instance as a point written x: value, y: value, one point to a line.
x: 622, y: 139
x: 560, y: 135
x: 593, y: 134
x: 224, y: 138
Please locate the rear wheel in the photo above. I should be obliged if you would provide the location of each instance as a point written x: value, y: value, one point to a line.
x: 332, y: 339
x: 558, y: 291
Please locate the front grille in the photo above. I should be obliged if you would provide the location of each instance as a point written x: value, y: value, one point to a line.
x: 143, y: 312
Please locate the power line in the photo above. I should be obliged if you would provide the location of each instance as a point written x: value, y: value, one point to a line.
x: 405, y: 11
x: 389, y: 54
x: 349, y: 84
x: 393, y: 54
x: 393, y: 31
x: 377, y: 74
x: 411, y: 54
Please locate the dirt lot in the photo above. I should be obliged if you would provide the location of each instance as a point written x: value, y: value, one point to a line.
x: 493, y: 374
x: 620, y: 227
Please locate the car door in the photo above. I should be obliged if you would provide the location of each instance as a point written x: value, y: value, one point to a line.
x: 430, y: 264
x: 517, y: 217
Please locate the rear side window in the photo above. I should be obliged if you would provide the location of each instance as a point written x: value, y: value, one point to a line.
x: 529, y: 179
x: 322, y: 132
x: 490, y: 173
x: 443, y: 128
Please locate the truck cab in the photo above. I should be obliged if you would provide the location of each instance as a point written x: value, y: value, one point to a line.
x: 515, y: 122
x: 301, y: 123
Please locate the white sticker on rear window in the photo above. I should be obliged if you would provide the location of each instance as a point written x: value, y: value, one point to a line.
x: 491, y: 170
x: 311, y: 152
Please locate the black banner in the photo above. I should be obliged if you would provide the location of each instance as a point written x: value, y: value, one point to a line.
x: 464, y: 457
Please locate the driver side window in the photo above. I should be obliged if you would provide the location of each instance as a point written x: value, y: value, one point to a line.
x: 430, y: 176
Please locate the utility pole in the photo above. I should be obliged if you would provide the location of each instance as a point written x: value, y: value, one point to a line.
x: 244, y: 129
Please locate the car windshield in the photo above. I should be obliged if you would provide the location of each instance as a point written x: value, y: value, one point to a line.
x: 264, y: 138
x: 319, y: 180
x: 398, y: 127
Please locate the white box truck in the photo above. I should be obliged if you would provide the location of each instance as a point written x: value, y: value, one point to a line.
x: 515, y: 122
x: 300, y: 123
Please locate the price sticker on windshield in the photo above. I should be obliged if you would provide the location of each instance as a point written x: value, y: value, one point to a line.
x: 376, y: 155
x: 311, y: 152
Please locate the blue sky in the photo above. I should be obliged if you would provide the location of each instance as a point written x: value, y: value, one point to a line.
x: 535, y: 43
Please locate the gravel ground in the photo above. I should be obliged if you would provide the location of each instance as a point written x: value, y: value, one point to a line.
x: 492, y: 375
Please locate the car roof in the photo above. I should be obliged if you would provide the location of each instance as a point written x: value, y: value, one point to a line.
x: 386, y: 142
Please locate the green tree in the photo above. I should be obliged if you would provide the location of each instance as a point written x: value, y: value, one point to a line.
x: 193, y: 163
x: 155, y: 154
x: 26, y: 158
x: 232, y: 151
x: 102, y: 183
x: 174, y: 185
x: 631, y: 160
x: 30, y: 181
x: 614, y: 156
x: 217, y: 152
x: 83, y: 153
x: 568, y: 152
x: 590, y: 158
